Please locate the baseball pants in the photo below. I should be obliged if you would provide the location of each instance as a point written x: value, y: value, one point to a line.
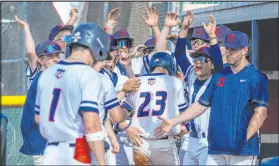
x: 125, y: 155
x: 61, y: 153
x: 38, y: 159
x: 224, y: 159
x: 183, y: 147
x: 156, y: 152
x: 197, y: 151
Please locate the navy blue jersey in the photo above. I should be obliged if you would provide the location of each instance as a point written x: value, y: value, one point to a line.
x: 233, y: 98
x: 33, y: 142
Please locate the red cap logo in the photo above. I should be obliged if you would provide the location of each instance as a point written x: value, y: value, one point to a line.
x: 231, y: 37
x: 218, y: 31
x: 122, y: 33
x: 198, y: 31
x: 221, y: 82
x: 59, y: 26
x: 52, y: 42
x: 154, y: 41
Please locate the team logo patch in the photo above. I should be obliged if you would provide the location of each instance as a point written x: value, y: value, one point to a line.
x: 218, y: 31
x: 221, y: 82
x: 59, y: 73
x: 76, y: 37
x: 231, y: 37
x: 151, y: 81
x: 198, y: 31
x: 122, y: 33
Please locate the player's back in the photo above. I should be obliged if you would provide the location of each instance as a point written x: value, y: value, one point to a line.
x: 62, y: 98
x: 159, y: 95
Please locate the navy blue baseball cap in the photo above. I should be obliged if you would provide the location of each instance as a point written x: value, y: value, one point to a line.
x: 236, y: 40
x: 111, y: 45
x: 122, y: 34
x: 199, y: 33
x: 221, y: 32
x: 150, y: 43
x: 58, y: 28
x: 203, y: 51
x: 48, y: 48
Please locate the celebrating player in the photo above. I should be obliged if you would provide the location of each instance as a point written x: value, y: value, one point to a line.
x: 68, y: 100
x: 238, y: 96
x: 160, y: 94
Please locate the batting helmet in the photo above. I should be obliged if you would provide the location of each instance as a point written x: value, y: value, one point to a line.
x: 163, y: 59
x: 150, y: 43
x: 93, y: 37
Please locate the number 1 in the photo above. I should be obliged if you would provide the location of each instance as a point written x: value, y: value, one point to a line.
x: 54, y: 102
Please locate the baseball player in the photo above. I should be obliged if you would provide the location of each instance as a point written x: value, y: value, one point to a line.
x: 160, y: 94
x: 33, y: 142
x: 238, y: 96
x: 68, y: 98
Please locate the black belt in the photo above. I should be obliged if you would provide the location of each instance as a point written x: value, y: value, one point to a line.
x: 57, y: 143
x: 167, y: 137
x: 198, y: 135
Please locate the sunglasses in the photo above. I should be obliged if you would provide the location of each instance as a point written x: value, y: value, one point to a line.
x: 198, y: 41
x: 147, y: 51
x: 201, y: 59
x: 66, y: 39
x: 53, y: 48
x: 123, y: 42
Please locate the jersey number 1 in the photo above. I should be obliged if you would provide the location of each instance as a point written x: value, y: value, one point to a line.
x: 147, y: 97
x: 54, y: 102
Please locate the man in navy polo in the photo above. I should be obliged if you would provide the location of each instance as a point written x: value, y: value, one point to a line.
x: 238, y: 97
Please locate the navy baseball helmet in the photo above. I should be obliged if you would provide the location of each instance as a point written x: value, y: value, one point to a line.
x: 163, y: 59
x: 93, y: 37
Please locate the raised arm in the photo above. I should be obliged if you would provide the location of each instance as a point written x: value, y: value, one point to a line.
x: 210, y: 29
x: 29, y: 44
x: 152, y: 20
x: 170, y: 21
x: 180, y: 49
x: 112, y: 20
x: 73, y: 17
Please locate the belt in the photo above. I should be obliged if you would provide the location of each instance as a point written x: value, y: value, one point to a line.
x: 167, y: 137
x: 198, y: 135
x: 57, y: 143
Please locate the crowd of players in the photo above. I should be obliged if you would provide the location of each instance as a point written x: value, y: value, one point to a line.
x: 92, y: 90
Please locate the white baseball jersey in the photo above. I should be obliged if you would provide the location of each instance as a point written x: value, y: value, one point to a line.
x: 159, y: 95
x: 64, y: 91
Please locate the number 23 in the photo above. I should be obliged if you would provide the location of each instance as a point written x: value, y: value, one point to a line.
x: 147, y: 97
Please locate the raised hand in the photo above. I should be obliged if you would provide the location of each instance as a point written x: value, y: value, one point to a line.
x: 164, y: 128
x: 171, y: 20
x: 113, y: 17
x: 188, y: 19
x: 152, y: 17
x: 211, y: 27
x: 74, y: 13
x: 21, y: 23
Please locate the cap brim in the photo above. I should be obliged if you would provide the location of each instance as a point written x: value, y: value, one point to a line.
x: 54, y: 52
x: 114, y: 47
x: 66, y: 28
x: 193, y: 38
x: 197, y: 54
x: 231, y: 46
x: 131, y: 39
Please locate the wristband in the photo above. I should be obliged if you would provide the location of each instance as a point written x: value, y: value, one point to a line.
x: 212, y: 38
x: 98, y: 136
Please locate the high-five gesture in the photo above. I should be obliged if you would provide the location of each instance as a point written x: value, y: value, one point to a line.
x: 171, y: 20
x: 211, y: 27
x: 112, y: 21
x: 164, y: 128
x: 187, y: 20
x: 152, y: 17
